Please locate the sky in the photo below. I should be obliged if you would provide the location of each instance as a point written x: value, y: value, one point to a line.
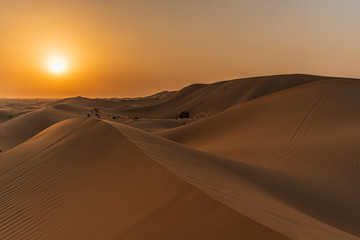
x: 129, y: 48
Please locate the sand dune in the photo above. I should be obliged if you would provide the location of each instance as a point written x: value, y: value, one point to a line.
x: 274, y: 130
x: 162, y: 94
x: 25, y: 104
x: 208, y: 99
x: 70, y: 108
x: 85, y: 102
x: 19, y: 129
x: 200, y: 100
x: 82, y: 179
x: 278, y: 158
x: 7, y: 114
x: 292, y: 206
x: 155, y: 125
x: 303, y: 133
x: 246, y: 127
x: 12, y: 108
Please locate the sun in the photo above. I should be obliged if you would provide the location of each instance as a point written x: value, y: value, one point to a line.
x: 57, y: 65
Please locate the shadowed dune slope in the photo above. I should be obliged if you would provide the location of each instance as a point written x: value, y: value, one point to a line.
x: 208, y: 99
x: 83, y: 179
x: 21, y: 128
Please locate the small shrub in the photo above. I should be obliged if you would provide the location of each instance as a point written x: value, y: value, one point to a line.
x: 114, y: 117
x: 88, y: 115
x: 184, y: 114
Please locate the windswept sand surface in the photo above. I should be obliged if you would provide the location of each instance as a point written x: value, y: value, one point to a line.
x: 262, y: 158
x: 83, y: 179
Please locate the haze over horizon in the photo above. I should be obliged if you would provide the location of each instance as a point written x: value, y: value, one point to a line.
x: 136, y: 48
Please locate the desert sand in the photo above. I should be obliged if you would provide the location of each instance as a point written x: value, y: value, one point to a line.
x: 273, y: 157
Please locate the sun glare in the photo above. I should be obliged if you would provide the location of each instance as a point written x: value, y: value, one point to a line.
x: 57, y: 65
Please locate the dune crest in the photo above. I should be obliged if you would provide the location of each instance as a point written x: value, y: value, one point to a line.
x: 266, y: 158
x: 82, y: 187
x: 268, y: 196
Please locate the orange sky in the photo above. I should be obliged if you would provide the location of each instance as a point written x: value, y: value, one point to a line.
x: 138, y: 47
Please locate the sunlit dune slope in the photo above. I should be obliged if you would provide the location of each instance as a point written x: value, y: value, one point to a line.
x: 316, y: 122
x: 21, y: 128
x: 278, y: 159
x: 309, y: 133
x: 155, y: 125
x: 272, y: 120
x: 83, y: 179
x: 300, y: 208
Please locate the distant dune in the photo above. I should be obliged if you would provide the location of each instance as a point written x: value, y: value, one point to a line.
x: 19, y: 129
x: 270, y: 158
x: 200, y: 100
x: 7, y: 114
x: 85, y: 102
x: 208, y: 99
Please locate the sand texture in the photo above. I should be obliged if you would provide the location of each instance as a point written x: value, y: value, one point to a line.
x: 261, y: 158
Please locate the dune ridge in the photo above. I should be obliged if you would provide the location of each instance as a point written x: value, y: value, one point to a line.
x: 303, y: 133
x: 209, y: 99
x: 277, y: 159
x: 315, y: 116
x: 200, y: 100
x: 75, y: 185
x: 251, y: 190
